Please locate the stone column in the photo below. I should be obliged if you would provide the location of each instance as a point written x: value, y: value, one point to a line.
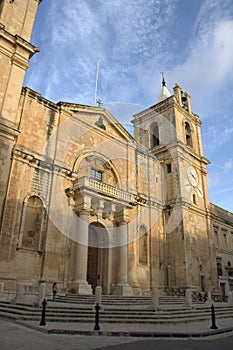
x: 188, y: 297
x: 80, y: 252
x: 155, y: 298
x: 209, y: 298
x: 122, y: 287
x: 20, y: 291
x: 230, y: 298
x: 42, y: 292
x: 98, y: 295
x: 122, y: 272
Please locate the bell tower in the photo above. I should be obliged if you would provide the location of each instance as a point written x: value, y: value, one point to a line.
x: 171, y: 131
x: 16, y: 24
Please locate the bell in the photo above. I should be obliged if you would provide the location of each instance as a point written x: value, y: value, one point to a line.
x: 187, y: 133
x: 183, y: 97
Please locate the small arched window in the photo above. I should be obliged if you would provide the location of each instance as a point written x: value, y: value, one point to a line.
x: 143, y: 246
x: 32, y: 223
x: 194, y: 199
x: 154, y: 132
x: 188, y: 134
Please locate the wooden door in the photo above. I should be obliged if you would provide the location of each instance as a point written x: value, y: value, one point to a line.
x: 92, y: 267
x: 222, y: 286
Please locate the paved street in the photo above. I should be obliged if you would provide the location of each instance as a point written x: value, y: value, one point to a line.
x: 17, y: 337
x: 225, y: 343
x: 13, y: 336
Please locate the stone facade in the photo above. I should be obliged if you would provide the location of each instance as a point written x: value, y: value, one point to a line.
x: 85, y: 204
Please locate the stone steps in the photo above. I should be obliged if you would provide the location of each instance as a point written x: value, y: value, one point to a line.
x: 65, y: 312
x: 118, y: 300
x: 119, y: 320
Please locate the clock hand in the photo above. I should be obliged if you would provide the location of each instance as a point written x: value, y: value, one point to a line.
x: 193, y: 176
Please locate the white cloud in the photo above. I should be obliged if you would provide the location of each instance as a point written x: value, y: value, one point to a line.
x: 122, y: 33
x: 228, y: 165
x: 218, y: 135
x: 135, y: 41
x: 225, y: 190
x: 208, y: 67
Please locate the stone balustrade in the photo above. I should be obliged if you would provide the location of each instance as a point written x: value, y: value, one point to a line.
x: 105, y: 189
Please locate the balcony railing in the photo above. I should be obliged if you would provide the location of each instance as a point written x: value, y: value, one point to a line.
x: 86, y: 183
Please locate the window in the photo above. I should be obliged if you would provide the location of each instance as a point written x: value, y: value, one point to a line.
x: 154, y: 131
x: 33, y: 213
x: 202, y: 283
x: 219, y: 266
x: 194, y: 199
x: 188, y: 134
x: 169, y: 168
x: 216, y: 235
x: 95, y: 174
x: 225, y: 240
x: 184, y: 100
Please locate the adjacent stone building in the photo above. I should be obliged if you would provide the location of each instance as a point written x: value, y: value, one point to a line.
x: 84, y: 203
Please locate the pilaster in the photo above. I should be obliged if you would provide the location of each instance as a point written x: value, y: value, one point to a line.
x: 122, y: 287
x: 80, y: 255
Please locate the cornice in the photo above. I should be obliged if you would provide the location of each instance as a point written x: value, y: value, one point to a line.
x: 170, y: 102
x: 8, y: 131
x: 37, y: 96
x: 15, y: 41
x: 161, y: 106
x: 221, y: 215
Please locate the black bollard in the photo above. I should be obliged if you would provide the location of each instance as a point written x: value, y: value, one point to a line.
x: 97, y: 317
x: 213, y: 326
x: 42, y: 322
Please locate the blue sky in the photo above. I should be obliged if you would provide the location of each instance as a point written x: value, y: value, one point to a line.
x: 190, y: 40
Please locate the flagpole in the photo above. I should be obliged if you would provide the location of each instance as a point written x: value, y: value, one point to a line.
x: 96, y: 80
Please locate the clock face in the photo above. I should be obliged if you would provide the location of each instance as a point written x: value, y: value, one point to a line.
x: 200, y: 192
x: 187, y: 185
x: 192, y: 176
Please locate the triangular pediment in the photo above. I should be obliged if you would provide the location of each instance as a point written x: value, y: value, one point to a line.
x: 99, y: 118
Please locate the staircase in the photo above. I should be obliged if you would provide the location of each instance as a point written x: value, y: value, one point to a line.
x: 118, y: 300
x: 114, y: 309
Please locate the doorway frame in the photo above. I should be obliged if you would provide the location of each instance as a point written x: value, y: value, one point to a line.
x: 104, y: 257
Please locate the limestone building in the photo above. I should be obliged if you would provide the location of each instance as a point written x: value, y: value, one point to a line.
x: 84, y: 203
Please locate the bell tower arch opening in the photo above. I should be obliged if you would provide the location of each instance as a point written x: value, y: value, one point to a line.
x: 154, y: 132
x: 98, y: 257
x: 188, y: 134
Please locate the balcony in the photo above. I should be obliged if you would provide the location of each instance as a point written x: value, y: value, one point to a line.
x: 94, y: 187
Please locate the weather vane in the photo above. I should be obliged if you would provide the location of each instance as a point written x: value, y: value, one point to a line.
x: 99, y: 102
x: 163, y: 81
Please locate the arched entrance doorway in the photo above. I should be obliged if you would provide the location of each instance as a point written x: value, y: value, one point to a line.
x: 98, y: 257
